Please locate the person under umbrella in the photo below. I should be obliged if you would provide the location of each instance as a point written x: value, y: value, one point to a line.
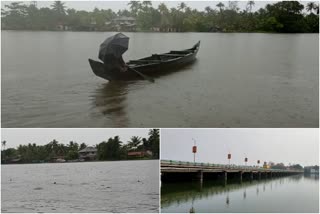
x: 111, y: 51
x: 114, y: 63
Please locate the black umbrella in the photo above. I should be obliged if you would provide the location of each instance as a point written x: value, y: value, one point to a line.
x: 115, y: 45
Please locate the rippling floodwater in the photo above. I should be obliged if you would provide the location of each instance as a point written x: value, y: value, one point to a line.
x: 289, y: 194
x: 239, y: 80
x: 124, y: 186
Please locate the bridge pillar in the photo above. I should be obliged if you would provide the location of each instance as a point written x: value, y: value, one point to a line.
x: 240, y: 176
x: 270, y: 174
x: 251, y: 176
x: 225, y: 177
x: 259, y: 176
x: 200, y: 176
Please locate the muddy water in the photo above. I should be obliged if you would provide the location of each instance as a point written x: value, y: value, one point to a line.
x: 239, y: 80
x: 122, y: 186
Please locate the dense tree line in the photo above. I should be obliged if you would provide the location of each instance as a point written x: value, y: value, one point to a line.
x: 282, y: 166
x: 112, y: 149
x: 282, y: 17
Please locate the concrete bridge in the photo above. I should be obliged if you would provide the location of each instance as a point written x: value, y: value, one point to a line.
x: 187, y: 171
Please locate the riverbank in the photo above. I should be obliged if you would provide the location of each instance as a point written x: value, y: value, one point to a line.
x: 164, y: 32
x: 284, y: 16
x: 95, y: 161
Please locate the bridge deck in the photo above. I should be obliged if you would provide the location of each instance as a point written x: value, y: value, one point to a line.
x: 180, y: 166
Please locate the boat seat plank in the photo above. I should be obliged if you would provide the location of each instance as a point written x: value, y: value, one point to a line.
x: 181, y: 52
x: 144, y: 61
x: 173, y: 55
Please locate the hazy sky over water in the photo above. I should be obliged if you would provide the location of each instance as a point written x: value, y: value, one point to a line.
x: 14, y: 137
x: 117, y: 5
x: 276, y: 145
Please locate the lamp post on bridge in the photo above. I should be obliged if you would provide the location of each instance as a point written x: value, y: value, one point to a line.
x: 258, y: 162
x: 245, y: 161
x: 194, y: 150
x: 229, y: 158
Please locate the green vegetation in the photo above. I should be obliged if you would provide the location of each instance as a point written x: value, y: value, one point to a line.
x: 282, y: 166
x: 112, y: 149
x: 282, y: 17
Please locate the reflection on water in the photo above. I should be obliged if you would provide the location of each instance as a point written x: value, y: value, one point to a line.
x: 110, y: 100
x: 245, y: 197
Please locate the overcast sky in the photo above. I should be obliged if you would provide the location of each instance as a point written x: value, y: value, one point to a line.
x: 116, y: 5
x: 14, y: 137
x: 277, y: 145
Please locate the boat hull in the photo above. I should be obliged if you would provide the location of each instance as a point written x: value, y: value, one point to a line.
x: 151, y: 69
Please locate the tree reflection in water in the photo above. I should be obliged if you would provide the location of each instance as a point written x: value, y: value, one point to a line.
x: 194, y: 191
x: 191, y: 193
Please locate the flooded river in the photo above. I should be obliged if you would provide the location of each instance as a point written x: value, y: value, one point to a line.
x: 296, y: 194
x: 122, y: 186
x: 239, y: 80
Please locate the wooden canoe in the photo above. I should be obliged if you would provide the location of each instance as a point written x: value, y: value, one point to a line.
x: 153, y: 65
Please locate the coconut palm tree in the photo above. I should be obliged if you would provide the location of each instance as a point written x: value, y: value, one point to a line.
x: 163, y: 8
x: 59, y: 7
x: 250, y: 4
x: 164, y: 19
x: 146, y: 4
x: 208, y: 9
x: 3, y: 144
x: 233, y: 5
x: 134, y: 142
x: 220, y: 6
x: 182, y: 6
x: 135, y: 6
x: 312, y: 6
x: 83, y: 146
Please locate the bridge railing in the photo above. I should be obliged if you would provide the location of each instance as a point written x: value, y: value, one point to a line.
x: 228, y: 166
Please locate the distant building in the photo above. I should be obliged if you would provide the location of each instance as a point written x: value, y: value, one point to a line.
x: 88, y: 153
x: 215, y: 29
x: 266, y: 166
x: 314, y: 171
x: 58, y: 159
x: 139, y: 154
x: 156, y: 29
x: 62, y: 27
x: 122, y: 23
